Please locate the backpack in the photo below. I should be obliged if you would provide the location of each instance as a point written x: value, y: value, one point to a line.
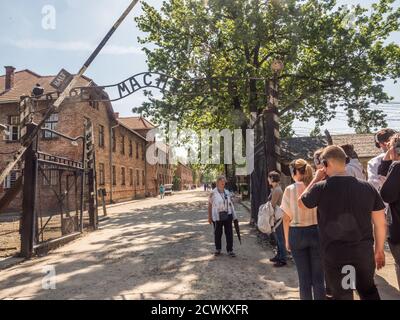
x: 268, y: 218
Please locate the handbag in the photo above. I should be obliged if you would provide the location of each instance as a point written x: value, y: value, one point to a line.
x: 223, y: 216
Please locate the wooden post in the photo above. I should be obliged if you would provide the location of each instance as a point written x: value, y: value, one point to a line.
x: 28, y: 202
x: 271, y: 117
x: 103, y: 201
x: 92, y: 202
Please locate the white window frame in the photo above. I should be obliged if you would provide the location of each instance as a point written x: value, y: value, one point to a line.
x: 13, y: 129
x: 51, y: 123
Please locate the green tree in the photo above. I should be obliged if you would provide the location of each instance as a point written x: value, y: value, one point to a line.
x: 333, y: 56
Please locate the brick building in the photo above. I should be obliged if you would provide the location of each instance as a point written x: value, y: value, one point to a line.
x: 184, y: 176
x: 156, y: 174
x: 119, y: 149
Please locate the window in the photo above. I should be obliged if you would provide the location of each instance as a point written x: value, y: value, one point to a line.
x: 137, y: 178
x: 114, y: 141
x: 13, y: 129
x: 114, y: 176
x: 123, y: 176
x: 143, y: 151
x: 51, y: 123
x: 123, y: 145
x: 137, y: 150
x: 131, y: 177
x: 94, y: 104
x: 11, y: 179
x: 101, y: 174
x: 143, y: 179
x: 101, y: 136
x: 50, y: 176
x: 130, y: 148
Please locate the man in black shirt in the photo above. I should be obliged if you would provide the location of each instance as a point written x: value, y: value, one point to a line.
x: 346, y: 206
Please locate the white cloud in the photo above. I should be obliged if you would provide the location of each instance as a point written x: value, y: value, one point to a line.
x: 73, y: 46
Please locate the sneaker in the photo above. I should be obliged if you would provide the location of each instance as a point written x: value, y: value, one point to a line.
x: 232, y: 254
x: 217, y: 252
x: 274, y: 259
x: 279, y: 264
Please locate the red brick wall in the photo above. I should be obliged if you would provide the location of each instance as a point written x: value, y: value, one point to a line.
x: 186, y: 176
x: 70, y: 122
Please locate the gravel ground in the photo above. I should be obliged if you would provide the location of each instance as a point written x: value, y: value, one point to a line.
x: 160, y: 249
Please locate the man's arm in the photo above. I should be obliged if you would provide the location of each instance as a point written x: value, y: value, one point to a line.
x: 379, y: 222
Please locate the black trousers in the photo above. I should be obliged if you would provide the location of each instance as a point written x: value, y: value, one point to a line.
x: 337, y: 274
x: 218, y: 229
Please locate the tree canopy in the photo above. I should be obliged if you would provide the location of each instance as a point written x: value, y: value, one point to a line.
x: 333, y: 56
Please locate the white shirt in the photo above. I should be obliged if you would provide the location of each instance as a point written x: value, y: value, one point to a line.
x: 219, y: 204
x: 355, y: 169
x: 373, y: 177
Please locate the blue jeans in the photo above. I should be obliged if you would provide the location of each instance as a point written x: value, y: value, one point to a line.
x: 280, y: 243
x: 305, y: 247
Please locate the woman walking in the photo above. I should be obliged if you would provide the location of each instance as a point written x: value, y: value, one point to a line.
x: 221, y: 213
x: 301, y: 234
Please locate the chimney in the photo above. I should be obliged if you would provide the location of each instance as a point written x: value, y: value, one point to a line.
x: 116, y: 114
x: 9, y: 80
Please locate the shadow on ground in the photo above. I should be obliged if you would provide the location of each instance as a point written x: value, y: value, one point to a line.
x: 161, y: 252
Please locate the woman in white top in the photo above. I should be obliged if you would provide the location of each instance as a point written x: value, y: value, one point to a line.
x: 221, y: 213
x: 301, y: 234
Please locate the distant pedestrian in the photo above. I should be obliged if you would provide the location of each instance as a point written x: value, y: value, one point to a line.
x: 275, y: 198
x: 162, y: 191
x: 221, y: 213
x: 346, y: 207
x: 301, y: 234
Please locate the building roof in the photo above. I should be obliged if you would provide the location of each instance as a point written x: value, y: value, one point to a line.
x: 304, y: 147
x: 180, y: 163
x: 137, y: 123
x: 130, y: 129
x: 26, y: 80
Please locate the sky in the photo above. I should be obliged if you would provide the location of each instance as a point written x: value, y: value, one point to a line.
x: 26, y: 43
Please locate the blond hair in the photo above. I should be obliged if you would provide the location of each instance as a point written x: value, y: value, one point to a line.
x: 306, y: 171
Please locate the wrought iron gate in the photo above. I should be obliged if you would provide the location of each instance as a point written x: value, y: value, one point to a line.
x: 259, y: 184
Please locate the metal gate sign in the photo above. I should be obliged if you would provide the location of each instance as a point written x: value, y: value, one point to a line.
x: 62, y: 80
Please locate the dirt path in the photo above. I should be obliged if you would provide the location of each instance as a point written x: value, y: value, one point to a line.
x: 155, y: 249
